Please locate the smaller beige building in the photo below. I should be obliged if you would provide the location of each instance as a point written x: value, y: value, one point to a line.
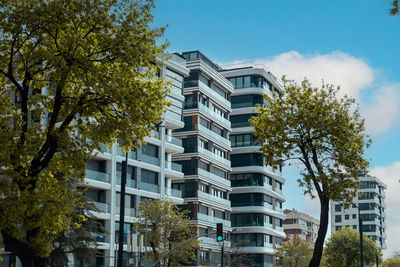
x: 299, y: 224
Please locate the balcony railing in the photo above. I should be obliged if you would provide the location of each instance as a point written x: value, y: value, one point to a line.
x: 150, y: 160
x: 173, y: 192
x: 214, y: 94
x: 214, y: 198
x: 173, y: 166
x: 214, y: 135
x: 173, y: 140
x: 129, y: 212
x: 214, y: 115
x: 213, y: 177
x: 102, y: 207
x: 98, y: 176
x: 210, y: 219
x: 213, y: 155
x: 150, y: 187
x: 129, y: 182
x: 131, y: 154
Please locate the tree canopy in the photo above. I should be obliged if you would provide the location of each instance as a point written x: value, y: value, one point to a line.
x: 73, y: 74
x: 167, y: 227
x: 323, y: 135
x: 395, y: 8
x: 343, y: 249
x: 293, y: 253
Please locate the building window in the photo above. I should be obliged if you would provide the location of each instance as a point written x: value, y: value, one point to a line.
x: 347, y: 216
x: 354, y: 216
x: 338, y: 218
x: 338, y: 208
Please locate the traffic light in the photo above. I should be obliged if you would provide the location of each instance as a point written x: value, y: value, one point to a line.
x: 220, y: 233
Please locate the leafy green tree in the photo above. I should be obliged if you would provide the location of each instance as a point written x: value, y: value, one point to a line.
x: 391, y: 262
x: 343, y: 249
x: 323, y: 135
x: 293, y: 253
x: 167, y: 227
x: 395, y: 8
x: 70, y: 71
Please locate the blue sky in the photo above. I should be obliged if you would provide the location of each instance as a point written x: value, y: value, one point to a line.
x: 353, y: 43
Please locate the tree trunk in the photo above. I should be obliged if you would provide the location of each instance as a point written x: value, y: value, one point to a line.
x: 23, y: 252
x: 323, y: 227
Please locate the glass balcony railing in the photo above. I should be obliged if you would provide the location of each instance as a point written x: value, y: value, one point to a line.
x: 214, y: 135
x: 150, y: 187
x: 129, y: 212
x: 214, y: 198
x: 102, y: 207
x: 214, y: 94
x: 210, y: 219
x: 213, y: 156
x: 173, y: 140
x: 98, y: 176
x: 173, y: 166
x: 173, y: 192
x: 131, y: 154
x: 129, y: 182
x: 214, y: 177
x: 214, y: 115
x: 150, y: 160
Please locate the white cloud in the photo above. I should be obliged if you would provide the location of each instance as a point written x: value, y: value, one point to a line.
x: 384, y: 111
x: 338, y: 68
x: 352, y: 74
x: 390, y: 175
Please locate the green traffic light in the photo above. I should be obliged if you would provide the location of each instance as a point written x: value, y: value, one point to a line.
x: 219, y: 238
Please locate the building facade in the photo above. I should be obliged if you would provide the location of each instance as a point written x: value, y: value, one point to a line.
x: 205, y: 159
x: 149, y: 175
x: 256, y: 195
x: 300, y: 225
x: 370, y: 201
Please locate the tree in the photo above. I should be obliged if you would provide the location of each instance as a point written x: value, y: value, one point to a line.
x: 73, y: 74
x: 343, y: 249
x: 393, y: 261
x: 293, y: 253
x: 395, y: 8
x: 319, y: 132
x: 167, y: 226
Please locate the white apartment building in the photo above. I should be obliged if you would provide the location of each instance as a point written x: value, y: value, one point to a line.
x: 150, y: 172
x: 256, y: 195
x: 370, y: 200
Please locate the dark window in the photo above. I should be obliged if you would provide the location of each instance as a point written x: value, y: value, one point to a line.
x: 354, y: 216
x: 243, y: 101
x: 149, y: 177
x: 338, y: 218
x: 346, y: 216
x: 247, y: 159
x: 338, y: 208
x: 241, y: 120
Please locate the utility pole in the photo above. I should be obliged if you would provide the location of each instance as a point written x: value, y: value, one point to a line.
x: 122, y: 212
x: 361, y: 237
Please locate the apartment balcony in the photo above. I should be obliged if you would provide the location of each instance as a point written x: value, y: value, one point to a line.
x: 173, y: 166
x: 150, y: 160
x: 131, y: 154
x: 98, y: 176
x: 212, y: 155
x: 213, y: 220
x: 150, y: 187
x: 129, y: 212
x: 129, y: 182
x: 213, y: 135
x: 214, y: 177
x: 214, y: 95
x: 173, y: 140
x: 219, y: 200
x: 221, y: 120
x: 102, y: 207
x: 173, y: 192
